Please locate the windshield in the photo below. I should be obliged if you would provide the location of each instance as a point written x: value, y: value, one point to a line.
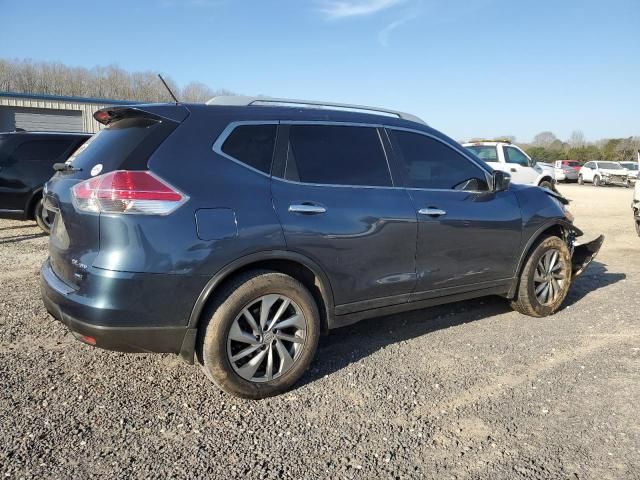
x: 630, y: 166
x: 610, y: 165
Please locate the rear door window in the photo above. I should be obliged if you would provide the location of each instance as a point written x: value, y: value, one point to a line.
x: 429, y: 163
x: 14, y: 152
x: 336, y: 155
x: 252, y: 145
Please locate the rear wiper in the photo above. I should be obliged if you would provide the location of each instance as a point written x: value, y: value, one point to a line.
x: 65, y: 167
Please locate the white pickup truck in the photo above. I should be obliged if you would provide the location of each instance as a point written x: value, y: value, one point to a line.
x: 635, y: 205
x: 513, y: 160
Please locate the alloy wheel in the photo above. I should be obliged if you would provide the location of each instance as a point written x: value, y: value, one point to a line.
x: 266, y: 338
x: 549, y: 279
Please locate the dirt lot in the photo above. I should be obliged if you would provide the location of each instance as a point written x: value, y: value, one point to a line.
x: 471, y: 390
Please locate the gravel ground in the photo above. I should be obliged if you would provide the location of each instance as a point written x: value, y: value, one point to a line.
x: 470, y: 390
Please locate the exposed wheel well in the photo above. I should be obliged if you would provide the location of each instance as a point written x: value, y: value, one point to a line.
x: 289, y: 267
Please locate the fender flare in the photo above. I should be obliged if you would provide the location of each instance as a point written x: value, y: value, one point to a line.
x: 563, y: 223
x: 231, y: 268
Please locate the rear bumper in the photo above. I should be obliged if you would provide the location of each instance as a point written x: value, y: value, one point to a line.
x: 87, y: 318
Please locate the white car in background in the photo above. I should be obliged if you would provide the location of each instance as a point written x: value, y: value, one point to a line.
x: 513, y: 160
x: 634, y: 172
x: 601, y: 172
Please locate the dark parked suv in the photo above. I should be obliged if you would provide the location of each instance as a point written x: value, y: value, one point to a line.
x: 236, y: 232
x: 26, y: 161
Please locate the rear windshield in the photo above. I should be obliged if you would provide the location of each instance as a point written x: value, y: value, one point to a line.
x: 484, y: 152
x: 124, y: 144
x: 28, y: 149
x: 572, y: 164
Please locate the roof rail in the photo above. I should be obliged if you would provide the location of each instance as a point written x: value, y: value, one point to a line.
x: 239, y: 100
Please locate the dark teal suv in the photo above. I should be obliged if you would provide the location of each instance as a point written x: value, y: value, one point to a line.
x: 235, y: 233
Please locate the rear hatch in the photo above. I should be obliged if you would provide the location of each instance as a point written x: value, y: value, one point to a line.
x: 130, y: 137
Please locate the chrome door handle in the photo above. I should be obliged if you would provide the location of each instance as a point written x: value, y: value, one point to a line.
x: 432, y: 212
x: 307, y: 209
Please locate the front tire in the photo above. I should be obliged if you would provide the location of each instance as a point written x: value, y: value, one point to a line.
x: 260, y: 335
x: 545, y: 279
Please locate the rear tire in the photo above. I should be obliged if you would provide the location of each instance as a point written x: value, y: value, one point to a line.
x: 638, y: 227
x: 41, y: 216
x: 545, y: 279
x: 580, y: 180
x: 596, y: 181
x: 281, y: 343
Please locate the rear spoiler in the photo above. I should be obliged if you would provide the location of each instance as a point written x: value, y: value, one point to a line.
x: 159, y: 112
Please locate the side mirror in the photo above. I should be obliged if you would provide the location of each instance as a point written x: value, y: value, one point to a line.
x: 533, y: 162
x: 501, y: 181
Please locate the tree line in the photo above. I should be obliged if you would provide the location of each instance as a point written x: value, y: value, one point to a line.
x: 546, y: 147
x: 111, y: 81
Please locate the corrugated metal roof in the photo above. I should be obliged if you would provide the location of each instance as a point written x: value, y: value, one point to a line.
x: 37, y: 96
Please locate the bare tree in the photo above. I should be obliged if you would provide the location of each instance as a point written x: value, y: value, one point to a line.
x: 111, y: 81
x: 544, y: 139
x: 577, y: 140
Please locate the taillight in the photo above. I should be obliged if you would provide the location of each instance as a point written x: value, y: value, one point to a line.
x: 125, y: 191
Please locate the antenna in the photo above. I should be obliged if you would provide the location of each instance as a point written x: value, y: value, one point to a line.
x: 168, y: 89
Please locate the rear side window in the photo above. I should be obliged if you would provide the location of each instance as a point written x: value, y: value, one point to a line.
x: 485, y: 152
x: 336, y: 155
x: 40, y: 150
x: 252, y: 145
x: 429, y: 163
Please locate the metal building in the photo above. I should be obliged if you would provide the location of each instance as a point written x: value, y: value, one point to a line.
x: 51, y: 113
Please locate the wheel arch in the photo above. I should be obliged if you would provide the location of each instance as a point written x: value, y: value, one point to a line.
x: 557, y: 228
x: 294, y: 264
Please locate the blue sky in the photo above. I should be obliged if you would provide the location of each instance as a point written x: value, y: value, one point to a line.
x: 470, y: 68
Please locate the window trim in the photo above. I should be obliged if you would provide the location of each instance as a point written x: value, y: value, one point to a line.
x: 488, y: 174
x: 228, y: 130
x: 387, y: 148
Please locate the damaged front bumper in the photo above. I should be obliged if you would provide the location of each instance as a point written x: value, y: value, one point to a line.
x: 583, y: 254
